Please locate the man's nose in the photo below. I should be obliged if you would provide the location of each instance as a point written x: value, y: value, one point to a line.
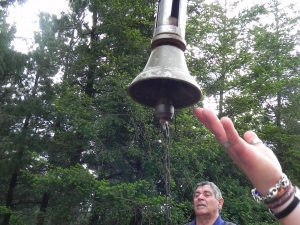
x: 200, y: 196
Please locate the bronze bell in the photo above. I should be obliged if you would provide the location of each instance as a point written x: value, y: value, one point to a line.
x: 165, y: 82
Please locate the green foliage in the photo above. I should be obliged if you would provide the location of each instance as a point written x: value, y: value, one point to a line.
x: 4, y: 210
x: 220, y: 46
x: 123, y: 202
x: 78, y: 150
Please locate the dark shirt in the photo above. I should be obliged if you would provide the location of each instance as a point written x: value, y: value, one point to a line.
x: 219, y: 221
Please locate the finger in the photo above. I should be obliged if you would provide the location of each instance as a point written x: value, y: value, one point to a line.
x: 244, y: 153
x: 251, y: 139
x: 247, y: 157
x: 198, y: 112
x: 238, y: 146
x: 231, y: 133
x: 211, y: 122
x: 257, y: 161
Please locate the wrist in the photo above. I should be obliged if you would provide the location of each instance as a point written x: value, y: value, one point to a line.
x: 283, y: 196
x: 288, y: 208
x: 274, y: 191
x: 282, y: 199
x: 282, y: 207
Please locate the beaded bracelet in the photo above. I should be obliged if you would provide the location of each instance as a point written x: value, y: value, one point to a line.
x: 274, y: 191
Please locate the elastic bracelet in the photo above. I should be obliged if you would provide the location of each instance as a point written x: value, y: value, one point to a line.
x: 289, y: 208
x: 272, y: 193
x: 282, y: 199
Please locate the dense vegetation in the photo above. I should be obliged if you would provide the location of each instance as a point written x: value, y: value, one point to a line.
x: 80, y: 151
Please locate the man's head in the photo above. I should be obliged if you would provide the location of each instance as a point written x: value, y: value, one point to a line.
x: 207, y: 199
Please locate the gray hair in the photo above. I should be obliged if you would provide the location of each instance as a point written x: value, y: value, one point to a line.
x: 214, y: 187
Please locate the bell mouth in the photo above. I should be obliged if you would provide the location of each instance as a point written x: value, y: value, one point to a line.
x: 182, y: 93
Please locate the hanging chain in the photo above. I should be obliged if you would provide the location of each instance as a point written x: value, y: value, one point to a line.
x: 165, y: 128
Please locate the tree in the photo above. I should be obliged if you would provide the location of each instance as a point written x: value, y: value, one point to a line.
x: 219, y: 50
x: 273, y: 81
x: 12, y: 64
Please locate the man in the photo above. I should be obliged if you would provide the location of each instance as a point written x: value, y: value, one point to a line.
x: 208, y: 204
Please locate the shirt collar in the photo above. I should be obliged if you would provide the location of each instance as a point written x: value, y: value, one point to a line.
x: 218, y: 221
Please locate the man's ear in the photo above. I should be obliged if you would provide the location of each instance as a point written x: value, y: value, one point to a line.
x: 221, y: 202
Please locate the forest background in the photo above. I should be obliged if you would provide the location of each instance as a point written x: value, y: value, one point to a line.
x: 77, y: 150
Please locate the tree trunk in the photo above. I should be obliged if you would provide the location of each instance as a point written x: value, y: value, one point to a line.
x: 43, y: 209
x: 9, y: 198
x: 18, y: 161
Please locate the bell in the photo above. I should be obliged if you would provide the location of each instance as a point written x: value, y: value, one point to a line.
x: 165, y: 83
x: 166, y: 74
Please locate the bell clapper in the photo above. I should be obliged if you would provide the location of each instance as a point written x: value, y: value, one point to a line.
x: 164, y: 110
x: 165, y: 127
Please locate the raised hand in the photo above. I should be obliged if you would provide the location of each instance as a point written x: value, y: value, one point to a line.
x: 256, y: 160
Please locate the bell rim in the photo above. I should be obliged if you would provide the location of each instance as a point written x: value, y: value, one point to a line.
x: 195, y: 86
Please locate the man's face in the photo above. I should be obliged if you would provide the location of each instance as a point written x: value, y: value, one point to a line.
x: 205, y: 202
